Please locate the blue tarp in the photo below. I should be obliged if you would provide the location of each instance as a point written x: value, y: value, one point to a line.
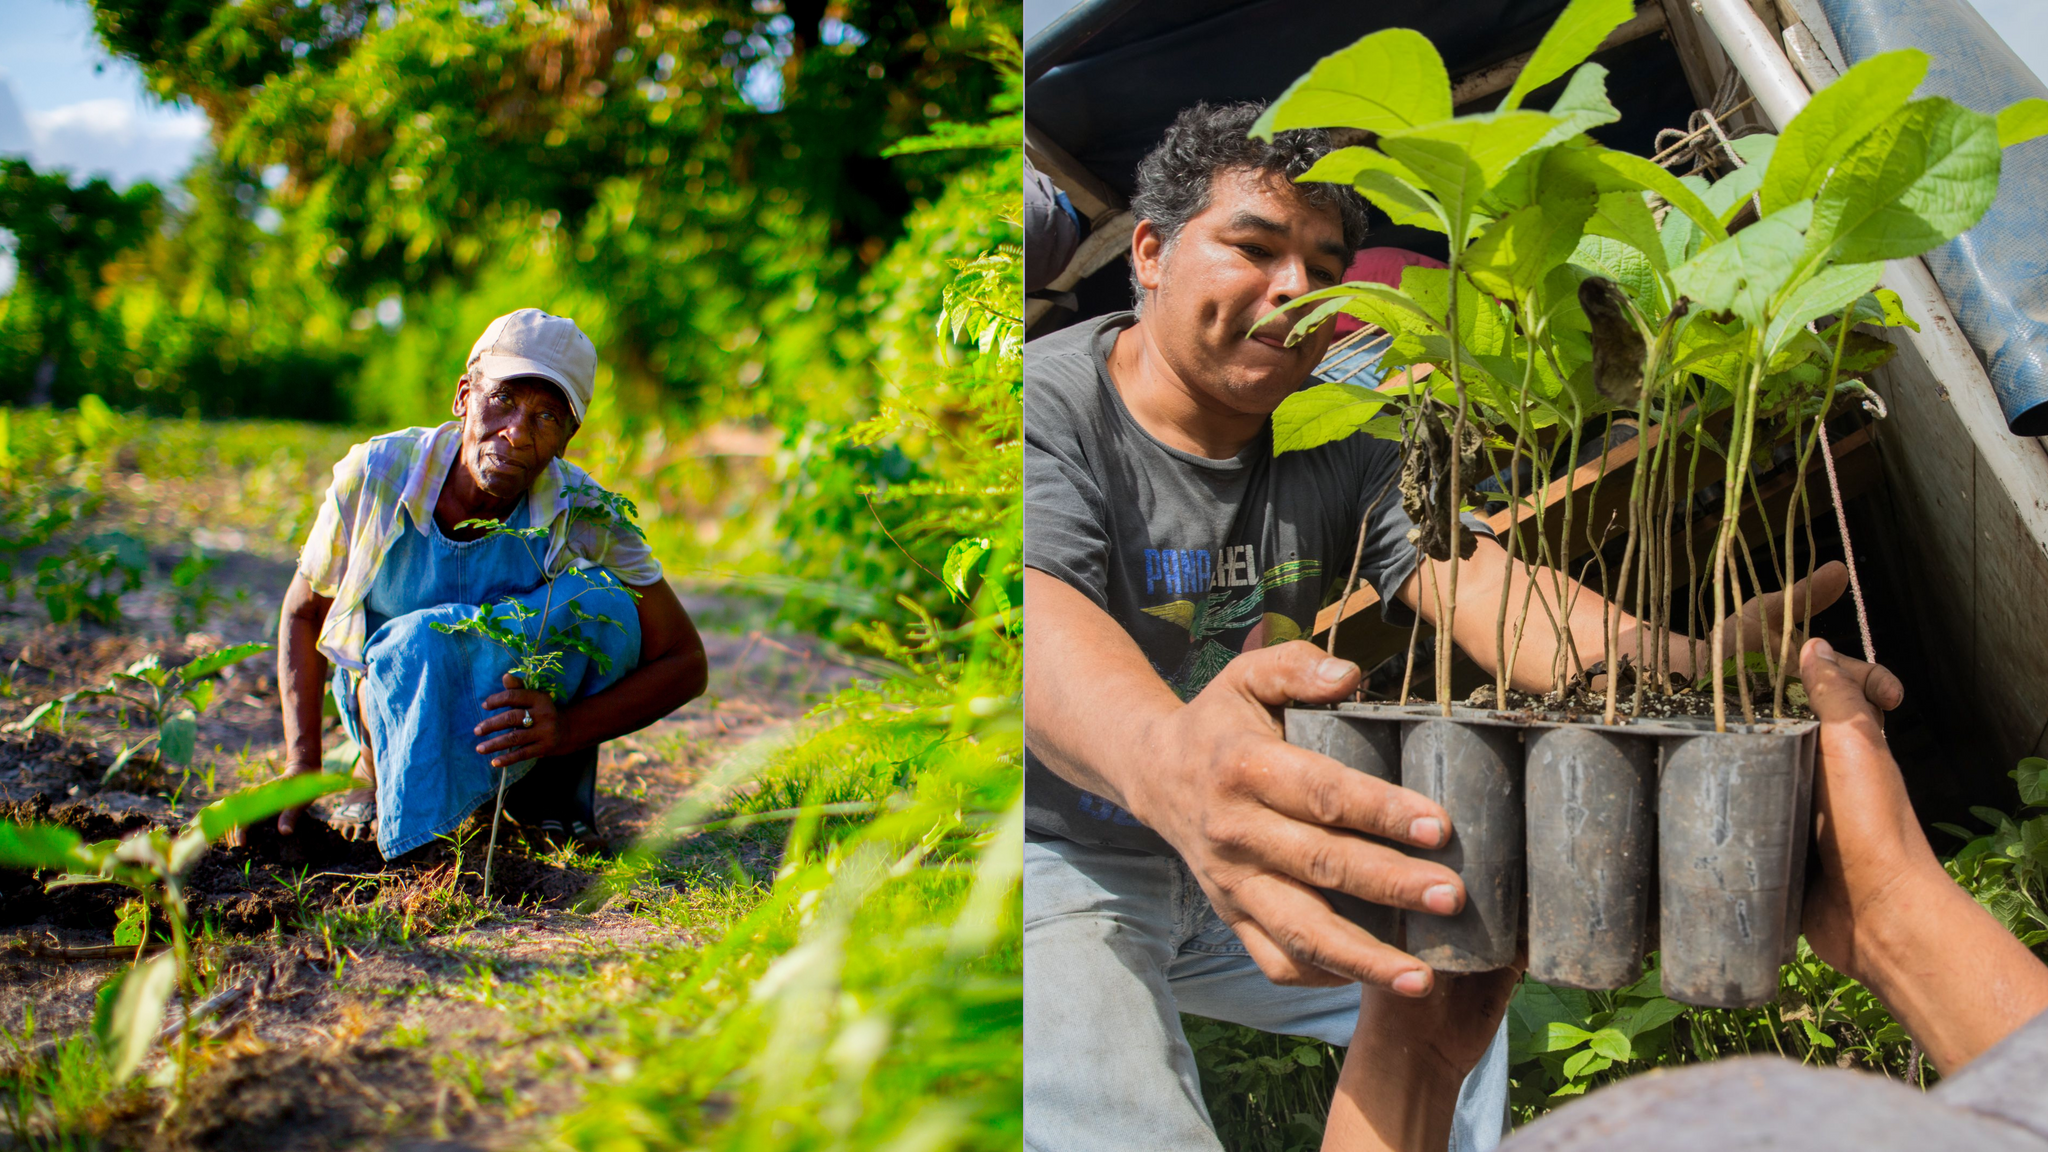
x: 1995, y: 276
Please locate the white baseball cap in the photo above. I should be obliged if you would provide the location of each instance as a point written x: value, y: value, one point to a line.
x: 530, y: 342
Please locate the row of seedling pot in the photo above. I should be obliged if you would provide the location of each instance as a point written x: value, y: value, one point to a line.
x: 1609, y: 840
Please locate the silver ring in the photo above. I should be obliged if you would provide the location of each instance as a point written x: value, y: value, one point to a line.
x: 526, y: 720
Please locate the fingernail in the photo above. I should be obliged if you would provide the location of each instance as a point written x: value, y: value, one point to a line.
x: 1336, y: 671
x: 1413, y: 982
x: 1441, y: 899
x: 1427, y: 831
x: 1822, y: 650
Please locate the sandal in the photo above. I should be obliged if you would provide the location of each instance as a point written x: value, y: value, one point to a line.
x: 572, y: 833
x: 354, y: 819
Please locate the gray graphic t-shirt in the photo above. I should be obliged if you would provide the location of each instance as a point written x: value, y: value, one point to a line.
x: 1199, y: 560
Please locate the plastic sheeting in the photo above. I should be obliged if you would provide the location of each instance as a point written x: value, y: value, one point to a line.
x: 1995, y: 276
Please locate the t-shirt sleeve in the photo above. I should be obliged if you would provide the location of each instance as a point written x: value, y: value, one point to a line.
x: 1390, y: 557
x: 1065, y: 529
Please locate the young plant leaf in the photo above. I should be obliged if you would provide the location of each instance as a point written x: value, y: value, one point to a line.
x: 2032, y: 777
x: 1610, y: 1043
x: 213, y: 662
x: 1515, y: 252
x: 1578, y: 31
x: 200, y: 695
x: 1830, y: 292
x: 1917, y: 182
x: 39, y: 846
x: 2022, y: 121
x: 137, y: 1012
x: 1388, y: 80
x: 1459, y: 160
x: 177, y: 738
x: 960, y: 561
x: 1611, y: 171
x: 1624, y: 216
x: 1837, y: 117
x: 1320, y: 414
x: 1747, y: 272
x: 247, y: 806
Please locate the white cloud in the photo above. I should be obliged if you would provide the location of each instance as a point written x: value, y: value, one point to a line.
x: 118, y: 139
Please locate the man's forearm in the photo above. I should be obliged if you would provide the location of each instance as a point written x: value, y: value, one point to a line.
x: 1091, y: 702
x: 1531, y: 635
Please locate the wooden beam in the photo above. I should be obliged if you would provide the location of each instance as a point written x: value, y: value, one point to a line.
x: 1093, y: 198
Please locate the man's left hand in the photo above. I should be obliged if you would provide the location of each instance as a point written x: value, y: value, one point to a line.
x: 519, y: 741
x: 1762, y: 621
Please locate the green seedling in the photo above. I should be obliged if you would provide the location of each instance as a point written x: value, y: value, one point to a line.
x: 87, y: 581
x: 1587, y: 283
x: 168, y: 701
x: 153, y: 863
x: 537, y: 658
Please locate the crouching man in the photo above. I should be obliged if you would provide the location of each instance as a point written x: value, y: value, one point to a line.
x: 396, y: 559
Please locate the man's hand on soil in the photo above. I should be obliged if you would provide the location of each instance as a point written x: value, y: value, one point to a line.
x: 520, y: 741
x: 1262, y: 823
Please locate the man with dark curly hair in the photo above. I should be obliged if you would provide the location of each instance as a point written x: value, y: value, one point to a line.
x: 1175, y: 843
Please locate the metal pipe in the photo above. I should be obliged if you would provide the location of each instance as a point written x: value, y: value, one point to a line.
x: 2018, y: 463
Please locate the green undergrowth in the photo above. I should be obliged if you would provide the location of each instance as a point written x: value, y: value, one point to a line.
x: 1271, y: 1093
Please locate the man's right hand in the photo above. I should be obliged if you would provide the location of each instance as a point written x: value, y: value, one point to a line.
x: 1262, y: 823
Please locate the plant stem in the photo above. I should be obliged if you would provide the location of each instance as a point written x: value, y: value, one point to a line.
x: 491, y: 848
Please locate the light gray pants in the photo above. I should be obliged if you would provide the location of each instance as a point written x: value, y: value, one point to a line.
x: 1116, y: 946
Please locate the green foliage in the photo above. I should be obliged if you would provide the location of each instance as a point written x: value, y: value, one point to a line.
x: 153, y: 863
x: 86, y: 581
x: 1266, y: 1093
x: 193, y: 596
x: 2006, y: 869
x: 167, y: 700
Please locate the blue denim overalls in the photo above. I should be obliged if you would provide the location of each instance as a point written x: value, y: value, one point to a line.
x: 422, y: 693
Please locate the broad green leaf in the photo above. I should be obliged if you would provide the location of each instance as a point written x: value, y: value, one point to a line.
x: 1381, y: 179
x: 1640, y: 1018
x: 247, y: 806
x: 132, y: 922
x: 1611, y: 171
x: 1815, y: 1036
x: 1320, y: 414
x: 1515, y: 252
x: 39, y: 846
x: 200, y: 695
x: 2032, y: 777
x: 1459, y: 160
x: 2022, y: 121
x: 1388, y: 80
x: 1534, y: 1008
x: 1745, y: 273
x: 137, y: 1013
x: 1611, y: 1043
x: 213, y: 662
x: 1837, y: 117
x: 1830, y: 292
x: 1622, y: 264
x: 1727, y: 195
x: 1582, y: 106
x: 1624, y: 216
x: 1585, y: 1063
x: 1578, y: 31
x: 960, y: 561
x: 1917, y: 182
x: 1562, y: 1037
x: 1883, y: 307
x: 177, y: 738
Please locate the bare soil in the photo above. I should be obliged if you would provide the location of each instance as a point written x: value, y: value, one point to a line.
x: 391, y: 1041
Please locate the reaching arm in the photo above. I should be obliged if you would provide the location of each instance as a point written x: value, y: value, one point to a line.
x: 1488, y: 575
x: 1258, y: 821
x: 1883, y: 910
x: 671, y: 673
x: 301, y: 681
